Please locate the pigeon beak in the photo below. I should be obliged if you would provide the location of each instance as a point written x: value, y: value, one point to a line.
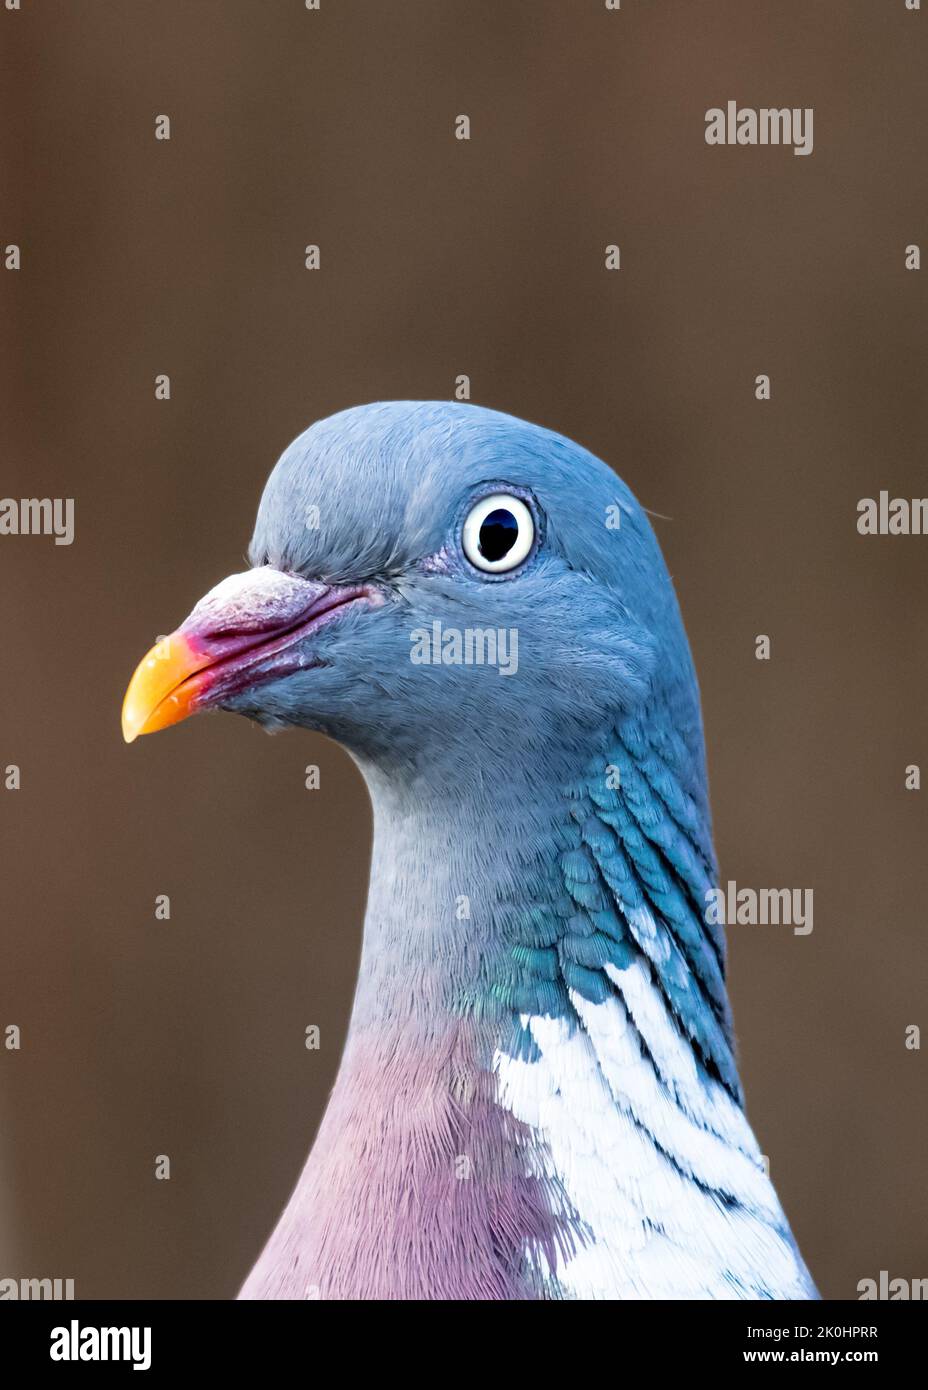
x: 232, y: 639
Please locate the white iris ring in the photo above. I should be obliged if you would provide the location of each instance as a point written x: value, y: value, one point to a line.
x: 525, y: 534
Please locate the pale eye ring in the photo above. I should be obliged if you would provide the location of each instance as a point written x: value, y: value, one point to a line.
x: 498, y: 534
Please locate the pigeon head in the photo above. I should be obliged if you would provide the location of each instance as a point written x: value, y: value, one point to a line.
x: 433, y: 585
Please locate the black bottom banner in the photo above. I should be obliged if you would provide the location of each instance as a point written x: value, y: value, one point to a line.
x: 164, y: 1338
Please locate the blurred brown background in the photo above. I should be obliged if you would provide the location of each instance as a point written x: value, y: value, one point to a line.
x: 438, y: 258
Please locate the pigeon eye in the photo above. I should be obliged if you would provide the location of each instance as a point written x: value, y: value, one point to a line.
x: 498, y: 533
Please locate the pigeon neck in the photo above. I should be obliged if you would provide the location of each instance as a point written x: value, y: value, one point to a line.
x: 418, y: 1185
x: 451, y: 869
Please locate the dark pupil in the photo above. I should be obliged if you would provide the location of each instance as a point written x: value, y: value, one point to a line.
x: 498, y: 534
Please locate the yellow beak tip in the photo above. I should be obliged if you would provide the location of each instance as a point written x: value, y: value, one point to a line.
x: 131, y: 723
x: 153, y: 700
